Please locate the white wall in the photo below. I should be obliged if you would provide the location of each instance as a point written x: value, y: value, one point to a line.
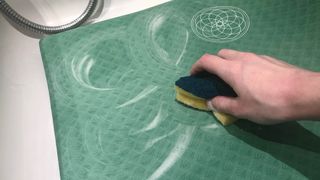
x: 27, y: 144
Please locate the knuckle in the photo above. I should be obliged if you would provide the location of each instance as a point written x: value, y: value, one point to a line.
x: 203, y: 58
x: 223, y: 51
x: 249, y: 54
x: 206, y: 55
x: 200, y: 62
x: 206, y: 58
x: 265, y: 57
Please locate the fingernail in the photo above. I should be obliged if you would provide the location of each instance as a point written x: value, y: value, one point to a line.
x: 209, y: 105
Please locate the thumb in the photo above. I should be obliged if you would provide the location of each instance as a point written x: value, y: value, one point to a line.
x: 223, y: 104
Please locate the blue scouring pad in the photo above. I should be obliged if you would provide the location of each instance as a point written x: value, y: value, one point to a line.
x: 205, y: 85
x: 195, y: 90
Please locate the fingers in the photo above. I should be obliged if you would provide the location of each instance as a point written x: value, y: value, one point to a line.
x: 228, y: 105
x: 208, y: 63
x: 276, y: 61
x: 230, y: 54
x: 267, y: 57
x: 215, y: 65
x: 272, y: 60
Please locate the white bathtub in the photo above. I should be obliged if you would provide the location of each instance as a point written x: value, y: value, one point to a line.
x: 27, y: 142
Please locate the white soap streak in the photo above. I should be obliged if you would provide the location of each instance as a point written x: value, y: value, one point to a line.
x: 210, y: 126
x: 100, y: 141
x: 184, y: 48
x: 152, y: 142
x: 81, y: 70
x: 88, y: 147
x: 147, y: 91
x: 154, y: 26
x: 57, y: 85
x: 156, y: 23
x: 175, y: 154
x: 124, y: 75
x: 154, y: 123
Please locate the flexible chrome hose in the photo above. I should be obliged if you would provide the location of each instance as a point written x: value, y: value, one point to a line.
x: 38, y: 28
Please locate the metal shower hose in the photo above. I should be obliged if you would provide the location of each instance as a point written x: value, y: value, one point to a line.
x: 38, y: 28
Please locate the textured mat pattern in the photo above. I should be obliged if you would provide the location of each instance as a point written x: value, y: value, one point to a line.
x: 112, y: 96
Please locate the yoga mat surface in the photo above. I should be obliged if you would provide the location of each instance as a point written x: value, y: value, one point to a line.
x: 113, y: 102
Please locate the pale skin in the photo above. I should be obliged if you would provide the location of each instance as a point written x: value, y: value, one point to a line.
x: 270, y: 91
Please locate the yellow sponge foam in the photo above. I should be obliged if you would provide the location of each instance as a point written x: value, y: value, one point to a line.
x: 201, y: 104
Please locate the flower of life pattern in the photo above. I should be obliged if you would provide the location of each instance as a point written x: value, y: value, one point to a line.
x: 220, y: 24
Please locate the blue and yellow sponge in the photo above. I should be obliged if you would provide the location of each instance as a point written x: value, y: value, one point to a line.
x: 196, y: 90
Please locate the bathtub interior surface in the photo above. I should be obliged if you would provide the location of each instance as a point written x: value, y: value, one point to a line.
x: 112, y: 95
x: 28, y: 148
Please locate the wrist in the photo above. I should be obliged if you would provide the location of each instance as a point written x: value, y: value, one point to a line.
x: 305, y: 104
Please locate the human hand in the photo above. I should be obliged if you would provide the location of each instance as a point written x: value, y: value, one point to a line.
x: 269, y: 91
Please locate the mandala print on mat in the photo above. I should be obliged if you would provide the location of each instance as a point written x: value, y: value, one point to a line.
x: 220, y: 24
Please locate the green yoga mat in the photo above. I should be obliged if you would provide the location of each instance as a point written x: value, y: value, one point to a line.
x: 113, y: 101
